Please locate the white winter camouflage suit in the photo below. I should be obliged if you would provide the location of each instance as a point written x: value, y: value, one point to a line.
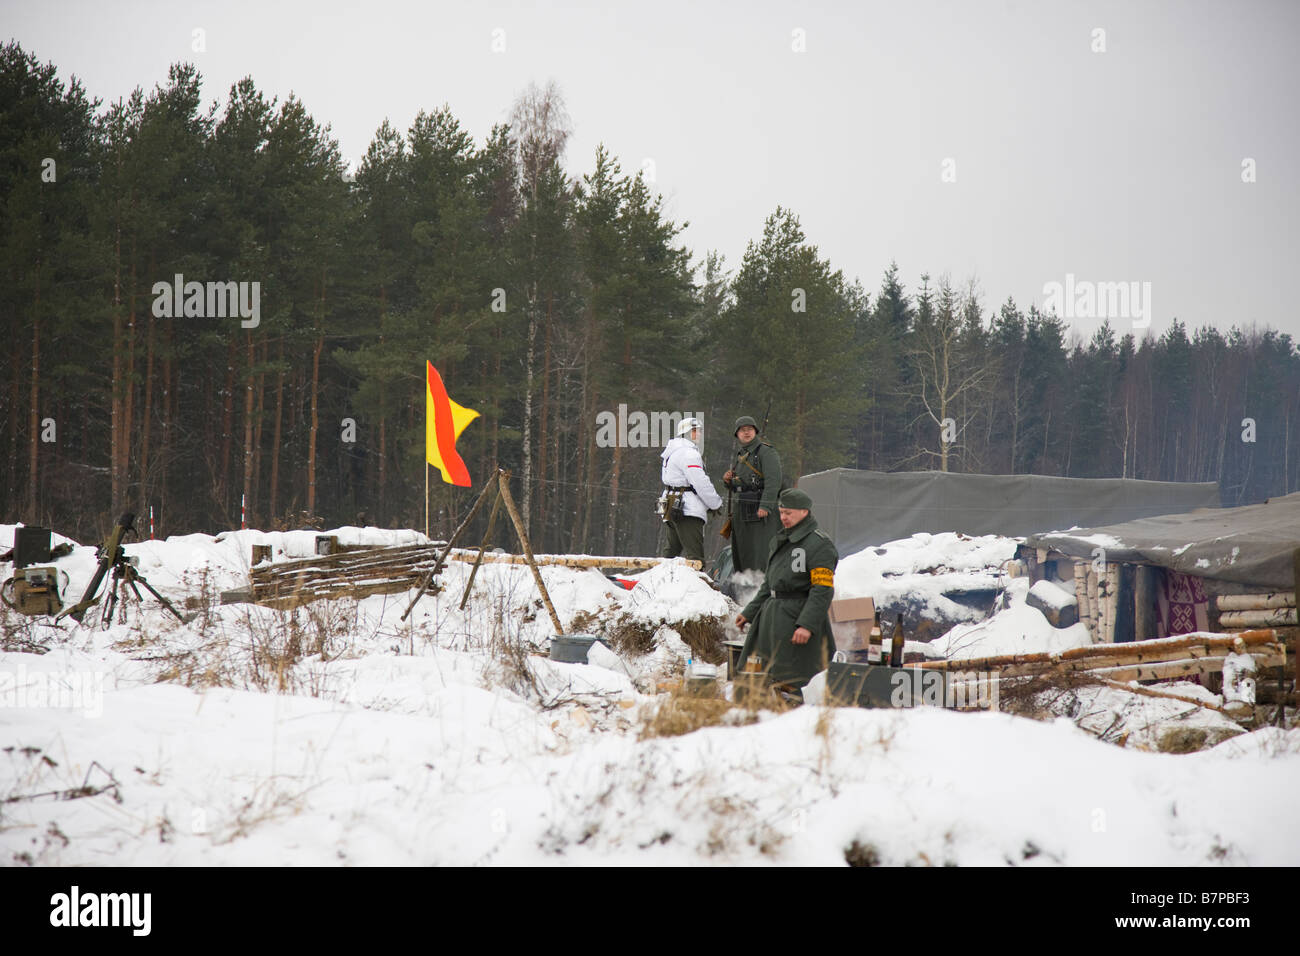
x: 682, y: 465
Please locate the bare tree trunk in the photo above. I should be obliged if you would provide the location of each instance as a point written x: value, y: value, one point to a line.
x: 15, y: 389
x: 275, y: 436
x: 798, y: 436
x: 315, y: 424
x: 115, y: 428
x: 169, y: 391
x: 528, y: 414
x: 247, y: 498
x: 255, y: 499
x: 542, y: 426
x: 381, y: 512
x: 128, y: 410
x: 34, y: 422
x: 146, y: 413
x: 227, y: 425
x: 583, y: 492
x: 496, y: 420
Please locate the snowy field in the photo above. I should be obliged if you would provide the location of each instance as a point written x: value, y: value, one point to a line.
x: 337, y: 734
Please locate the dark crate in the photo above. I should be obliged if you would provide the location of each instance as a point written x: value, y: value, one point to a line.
x: 31, y: 545
x: 872, y: 685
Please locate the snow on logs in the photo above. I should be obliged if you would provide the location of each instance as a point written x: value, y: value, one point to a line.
x: 365, y: 571
x: 1165, y: 658
x: 1059, y: 606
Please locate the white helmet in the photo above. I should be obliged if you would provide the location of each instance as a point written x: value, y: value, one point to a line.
x: 688, y: 425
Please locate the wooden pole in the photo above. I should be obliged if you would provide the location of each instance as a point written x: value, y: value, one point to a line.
x: 503, y: 480
x: 437, y: 566
x: 1148, y: 692
x: 487, y: 536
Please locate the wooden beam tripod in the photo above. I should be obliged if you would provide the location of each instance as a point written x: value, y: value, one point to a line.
x: 501, y: 485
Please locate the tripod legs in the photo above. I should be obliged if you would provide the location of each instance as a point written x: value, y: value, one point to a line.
x: 127, y: 574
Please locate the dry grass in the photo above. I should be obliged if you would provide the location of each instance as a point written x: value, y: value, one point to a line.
x: 18, y: 632
x: 265, y: 649
x: 683, y: 713
x: 509, y: 654
x: 263, y: 805
x: 1044, y: 696
x: 704, y: 636
x: 633, y: 638
x: 861, y: 854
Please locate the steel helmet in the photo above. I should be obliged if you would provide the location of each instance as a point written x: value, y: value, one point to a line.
x: 688, y: 425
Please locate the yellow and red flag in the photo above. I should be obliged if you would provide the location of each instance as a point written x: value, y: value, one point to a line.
x: 444, y: 422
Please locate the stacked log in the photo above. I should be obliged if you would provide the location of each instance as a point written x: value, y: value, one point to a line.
x: 1239, y: 611
x: 363, y: 572
x: 353, y: 574
x: 1166, y: 658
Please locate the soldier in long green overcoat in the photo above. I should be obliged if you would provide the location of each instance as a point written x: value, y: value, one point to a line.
x: 755, y: 474
x: 789, y: 618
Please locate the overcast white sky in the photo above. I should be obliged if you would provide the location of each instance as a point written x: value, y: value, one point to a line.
x: 1122, y: 165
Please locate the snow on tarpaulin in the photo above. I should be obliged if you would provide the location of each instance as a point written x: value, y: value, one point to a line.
x: 1017, y: 629
x: 1252, y: 544
x: 924, y: 578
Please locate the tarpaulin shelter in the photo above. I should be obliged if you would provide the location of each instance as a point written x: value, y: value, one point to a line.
x: 1250, y: 545
x: 862, y: 508
x: 1229, y: 569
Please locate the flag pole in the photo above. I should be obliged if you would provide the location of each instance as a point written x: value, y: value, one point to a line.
x: 426, y: 498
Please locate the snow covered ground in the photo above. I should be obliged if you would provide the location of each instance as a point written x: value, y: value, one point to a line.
x: 337, y: 734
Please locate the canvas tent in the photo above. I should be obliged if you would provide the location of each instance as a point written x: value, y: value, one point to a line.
x: 1251, y: 545
x: 862, y: 508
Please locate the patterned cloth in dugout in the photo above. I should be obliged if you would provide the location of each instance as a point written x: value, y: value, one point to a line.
x: 1183, y: 605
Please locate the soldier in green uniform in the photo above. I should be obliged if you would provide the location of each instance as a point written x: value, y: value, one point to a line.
x: 756, y: 475
x: 791, y: 629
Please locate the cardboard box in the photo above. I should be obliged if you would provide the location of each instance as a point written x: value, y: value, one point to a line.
x: 851, y: 622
